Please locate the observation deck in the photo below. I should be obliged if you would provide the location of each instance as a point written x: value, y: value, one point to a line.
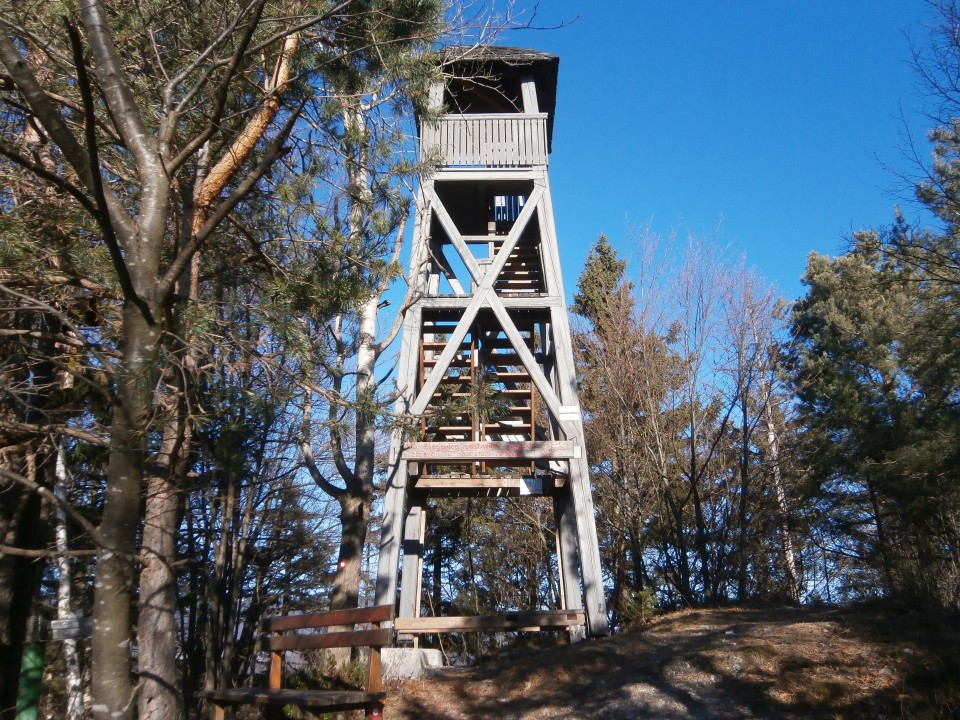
x: 487, y: 139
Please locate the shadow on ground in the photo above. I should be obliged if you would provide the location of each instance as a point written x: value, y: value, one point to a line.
x: 867, y: 662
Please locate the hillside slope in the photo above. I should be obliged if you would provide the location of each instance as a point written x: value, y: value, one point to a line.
x: 771, y: 663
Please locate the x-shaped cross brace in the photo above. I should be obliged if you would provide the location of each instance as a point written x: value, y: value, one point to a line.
x: 485, y: 296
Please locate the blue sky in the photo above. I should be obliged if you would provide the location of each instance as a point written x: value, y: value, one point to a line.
x: 773, y: 127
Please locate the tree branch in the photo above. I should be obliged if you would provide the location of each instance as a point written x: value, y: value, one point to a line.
x: 47, y: 429
x: 186, y: 253
x: 41, y: 172
x: 45, y: 554
x: 123, y: 106
x: 220, y: 95
x: 50, y: 496
x: 310, y: 464
x: 253, y: 131
x: 47, y: 308
x: 102, y: 213
x: 306, y: 454
x: 55, y: 126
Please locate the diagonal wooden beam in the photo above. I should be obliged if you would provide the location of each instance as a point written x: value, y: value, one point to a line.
x: 441, y: 257
x: 513, y: 237
x: 530, y: 363
x: 456, y: 239
x: 446, y: 356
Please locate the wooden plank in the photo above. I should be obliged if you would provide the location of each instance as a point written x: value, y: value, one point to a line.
x: 485, y: 486
x: 491, y: 450
x: 520, y: 140
x: 456, y: 174
x: 484, y: 293
x: 412, y: 554
x: 568, y: 556
x: 526, y: 357
x: 453, y: 234
x: 474, y: 118
x: 528, y: 91
x: 432, y: 382
x: 356, y: 638
x: 530, y: 301
x: 441, y: 262
x: 329, y: 699
x: 451, y: 483
x: 395, y: 495
x: 330, y: 618
x: 528, y: 621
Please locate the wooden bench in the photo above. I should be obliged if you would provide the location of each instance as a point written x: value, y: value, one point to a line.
x: 286, y: 633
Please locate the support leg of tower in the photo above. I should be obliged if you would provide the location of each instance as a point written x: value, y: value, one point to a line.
x: 567, y: 555
x: 568, y: 558
x: 596, y: 606
x: 413, y: 531
x: 388, y: 564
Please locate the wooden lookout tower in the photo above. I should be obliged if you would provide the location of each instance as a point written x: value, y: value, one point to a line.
x: 486, y: 363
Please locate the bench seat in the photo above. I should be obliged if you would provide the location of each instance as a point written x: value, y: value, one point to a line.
x: 332, y: 700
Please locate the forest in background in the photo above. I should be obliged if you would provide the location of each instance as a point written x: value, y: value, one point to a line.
x: 201, y: 219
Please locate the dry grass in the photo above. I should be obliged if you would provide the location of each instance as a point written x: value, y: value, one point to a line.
x: 866, y: 662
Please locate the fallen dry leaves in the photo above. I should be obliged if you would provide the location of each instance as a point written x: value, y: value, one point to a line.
x: 866, y: 662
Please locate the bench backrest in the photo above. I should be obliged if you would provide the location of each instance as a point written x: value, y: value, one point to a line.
x: 276, y: 641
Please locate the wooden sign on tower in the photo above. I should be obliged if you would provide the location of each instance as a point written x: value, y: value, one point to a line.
x: 490, y: 314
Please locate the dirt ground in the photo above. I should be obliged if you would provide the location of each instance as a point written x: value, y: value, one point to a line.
x: 771, y: 663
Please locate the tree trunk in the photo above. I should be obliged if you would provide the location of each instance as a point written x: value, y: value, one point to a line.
x: 217, y: 589
x: 883, y: 547
x: 71, y: 658
x: 112, y: 688
x: 156, y: 632
x: 22, y: 515
x: 682, y: 574
x: 354, y: 519
x: 700, y: 525
x: 620, y: 604
x: 742, y: 535
x: 789, y: 560
x: 156, y: 626
x: 638, y: 566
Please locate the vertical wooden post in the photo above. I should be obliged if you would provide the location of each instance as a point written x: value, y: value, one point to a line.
x: 412, y: 560
x: 388, y: 564
x: 374, y: 679
x: 567, y: 542
x: 275, y: 680
x: 375, y: 669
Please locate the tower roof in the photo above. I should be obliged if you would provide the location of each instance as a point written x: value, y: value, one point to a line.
x: 498, y: 62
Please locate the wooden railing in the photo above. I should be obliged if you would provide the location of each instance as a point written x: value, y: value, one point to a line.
x: 491, y: 140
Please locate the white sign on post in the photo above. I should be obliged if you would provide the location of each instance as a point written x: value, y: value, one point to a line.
x: 531, y: 486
